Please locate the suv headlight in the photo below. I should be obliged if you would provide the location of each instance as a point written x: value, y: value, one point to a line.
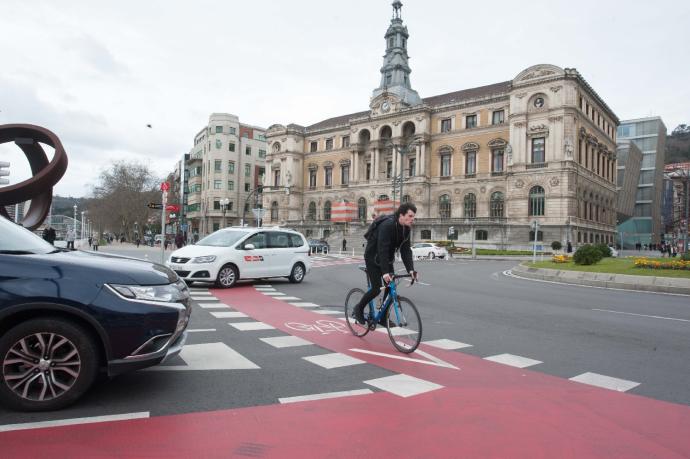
x: 169, y: 293
x: 204, y: 259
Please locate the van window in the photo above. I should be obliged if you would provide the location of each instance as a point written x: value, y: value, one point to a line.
x: 296, y: 240
x: 278, y: 240
x: 259, y: 241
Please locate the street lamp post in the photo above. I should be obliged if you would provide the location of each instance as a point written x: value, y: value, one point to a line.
x: 75, y: 220
x: 81, y: 235
x: 224, y: 206
x: 403, y: 149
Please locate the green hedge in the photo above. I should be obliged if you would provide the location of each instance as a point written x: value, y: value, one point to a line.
x: 587, y: 255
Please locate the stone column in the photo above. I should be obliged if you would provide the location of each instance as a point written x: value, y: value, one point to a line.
x: 374, y: 164
x: 421, y: 161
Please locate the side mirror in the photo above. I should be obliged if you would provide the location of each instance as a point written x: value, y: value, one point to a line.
x: 249, y: 247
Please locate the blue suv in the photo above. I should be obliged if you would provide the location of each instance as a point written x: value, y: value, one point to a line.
x: 65, y: 316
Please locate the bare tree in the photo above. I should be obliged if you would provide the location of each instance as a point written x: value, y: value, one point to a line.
x: 120, y: 198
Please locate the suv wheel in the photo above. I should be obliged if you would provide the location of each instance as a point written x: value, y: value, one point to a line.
x: 47, y: 364
x: 227, y: 276
x: 297, y: 274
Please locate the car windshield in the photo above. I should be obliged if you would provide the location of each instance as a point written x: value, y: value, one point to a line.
x: 15, y: 239
x: 223, y: 238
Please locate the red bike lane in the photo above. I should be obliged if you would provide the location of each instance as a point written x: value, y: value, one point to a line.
x: 484, y: 409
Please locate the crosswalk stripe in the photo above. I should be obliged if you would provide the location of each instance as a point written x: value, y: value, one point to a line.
x: 334, y: 360
x: 403, y: 385
x: 286, y: 341
x: 251, y: 326
x: 513, y: 360
x: 446, y: 344
x: 228, y: 315
x: 607, y: 382
x: 327, y: 395
x: 305, y: 305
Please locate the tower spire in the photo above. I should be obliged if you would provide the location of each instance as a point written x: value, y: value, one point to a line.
x: 395, y: 72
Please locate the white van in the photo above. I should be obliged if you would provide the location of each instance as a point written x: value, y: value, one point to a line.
x: 231, y: 254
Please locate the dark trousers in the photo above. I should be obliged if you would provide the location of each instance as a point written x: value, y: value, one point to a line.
x: 375, y: 281
x: 70, y: 245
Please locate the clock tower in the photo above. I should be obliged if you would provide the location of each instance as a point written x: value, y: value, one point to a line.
x: 395, y: 91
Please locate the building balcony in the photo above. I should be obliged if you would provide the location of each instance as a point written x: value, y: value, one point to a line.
x: 536, y: 165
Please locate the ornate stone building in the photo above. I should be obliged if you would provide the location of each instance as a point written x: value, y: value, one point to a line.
x: 481, y: 164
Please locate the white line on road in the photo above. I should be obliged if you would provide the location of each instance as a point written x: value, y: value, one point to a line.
x: 74, y: 421
x: 641, y: 315
x: 513, y: 360
x: 607, y: 382
x: 198, y: 330
x: 435, y: 360
x: 307, y: 398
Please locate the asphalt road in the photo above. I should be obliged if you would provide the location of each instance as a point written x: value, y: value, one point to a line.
x: 638, y: 337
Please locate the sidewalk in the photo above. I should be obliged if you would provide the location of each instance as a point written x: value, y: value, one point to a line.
x: 607, y: 280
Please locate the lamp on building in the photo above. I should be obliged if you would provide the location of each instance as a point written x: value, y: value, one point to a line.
x: 224, y: 206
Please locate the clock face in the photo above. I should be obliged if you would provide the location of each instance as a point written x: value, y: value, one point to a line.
x: 539, y: 102
x: 385, y: 106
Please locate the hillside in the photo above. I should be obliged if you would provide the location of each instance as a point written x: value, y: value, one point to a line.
x: 678, y: 145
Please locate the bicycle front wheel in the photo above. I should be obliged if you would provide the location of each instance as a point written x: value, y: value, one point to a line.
x: 351, y: 301
x: 404, y: 325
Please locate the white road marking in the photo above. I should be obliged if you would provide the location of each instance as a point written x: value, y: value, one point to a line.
x: 305, y: 305
x: 509, y: 273
x: 396, y: 331
x: 641, y: 315
x: 213, y: 306
x: 307, y: 398
x: 206, y: 293
x: 251, y: 326
x: 228, y: 315
x: 265, y: 289
x: 435, y: 361
x: 335, y: 360
x: 198, y: 330
x: 273, y: 293
x: 513, y: 360
x: 607, y: 382
x: 403, y: 385
x: 208, y: 356
x: 288, y: 298
x: 262, y: 285
x: 74, y: 421
x: 326, y: 311
x: 446, y: 344
x: 286, y: 341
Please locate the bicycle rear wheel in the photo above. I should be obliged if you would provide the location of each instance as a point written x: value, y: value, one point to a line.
x: 404, y: 325
x: 351, y: 301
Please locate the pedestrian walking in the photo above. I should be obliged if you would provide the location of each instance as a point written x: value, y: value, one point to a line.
x: 344, y: 244
x: 569, y: 247
x: 95, y: 244
x: 179, y: 240
x: 49, y: 234
x: 70, y: 239
x: 137, y: 241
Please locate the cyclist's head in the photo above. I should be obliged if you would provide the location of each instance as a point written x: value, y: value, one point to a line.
x: 405, y: 213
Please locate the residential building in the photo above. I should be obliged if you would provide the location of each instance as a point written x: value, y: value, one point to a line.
x: 225, y: 168
x: 649, y: 134
x: 482, y: 164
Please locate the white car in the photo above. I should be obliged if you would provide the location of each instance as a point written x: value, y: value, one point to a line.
x: 231, y: 254
x: 428, y: 250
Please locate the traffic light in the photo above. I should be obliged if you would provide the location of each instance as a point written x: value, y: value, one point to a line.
x: 4, y: 173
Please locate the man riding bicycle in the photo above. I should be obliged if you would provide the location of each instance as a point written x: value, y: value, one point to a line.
x: 392, y: 233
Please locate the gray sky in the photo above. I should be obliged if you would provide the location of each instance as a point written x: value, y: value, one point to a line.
x: 96, y: 73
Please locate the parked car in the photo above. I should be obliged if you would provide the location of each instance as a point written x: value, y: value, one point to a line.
x: 231, y: 254
x: 319, y: 246
x: 66, y: 315
x: 428, y: 250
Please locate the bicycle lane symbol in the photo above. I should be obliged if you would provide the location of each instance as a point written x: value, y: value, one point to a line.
x: 323, y: 326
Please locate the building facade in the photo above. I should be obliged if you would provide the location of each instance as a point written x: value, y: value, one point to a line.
x: 481, y: 165
x: 224, y: 169
x: 649, y: 135
x: 629, y: 159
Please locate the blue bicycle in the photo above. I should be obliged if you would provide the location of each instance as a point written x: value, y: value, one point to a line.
x: 398, y: 313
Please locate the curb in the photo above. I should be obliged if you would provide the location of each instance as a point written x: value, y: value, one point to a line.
x: 607, y: 280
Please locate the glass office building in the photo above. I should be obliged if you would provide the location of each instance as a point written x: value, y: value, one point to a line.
x: 646, y: 226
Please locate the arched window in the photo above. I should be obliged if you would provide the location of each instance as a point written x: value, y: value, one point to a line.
x: 276, y: 147
x: 383, y: 197
x: 362, y: 209
x: 470, y: 205
x: 406, y: 198
x: 311, y: 215
x: 481, y: 235
x: 327, y: 210
x: 444, y: 206
x: 274, y: 211
x: 496, y: 204
x: 536, y: 201
x: 426, y: 234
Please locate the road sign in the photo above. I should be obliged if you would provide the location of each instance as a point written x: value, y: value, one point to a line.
x: 153, y: 205
x: 172, y: 208
x: 165, y: 186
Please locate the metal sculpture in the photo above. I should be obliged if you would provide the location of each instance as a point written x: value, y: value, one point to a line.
x: 39, y: 188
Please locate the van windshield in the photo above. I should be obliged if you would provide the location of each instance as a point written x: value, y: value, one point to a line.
x: 223, y: 238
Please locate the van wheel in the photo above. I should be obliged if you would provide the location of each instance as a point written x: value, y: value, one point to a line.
x: 47, y: 364
x: 297, y: 274
x: 227, y: 276
x: 432, y: 255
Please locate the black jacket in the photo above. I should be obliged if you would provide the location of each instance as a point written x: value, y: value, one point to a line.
x: 390, y: 236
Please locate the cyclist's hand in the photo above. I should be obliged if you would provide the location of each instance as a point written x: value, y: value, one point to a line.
x: 414, y: 276
x: 387, y: 278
